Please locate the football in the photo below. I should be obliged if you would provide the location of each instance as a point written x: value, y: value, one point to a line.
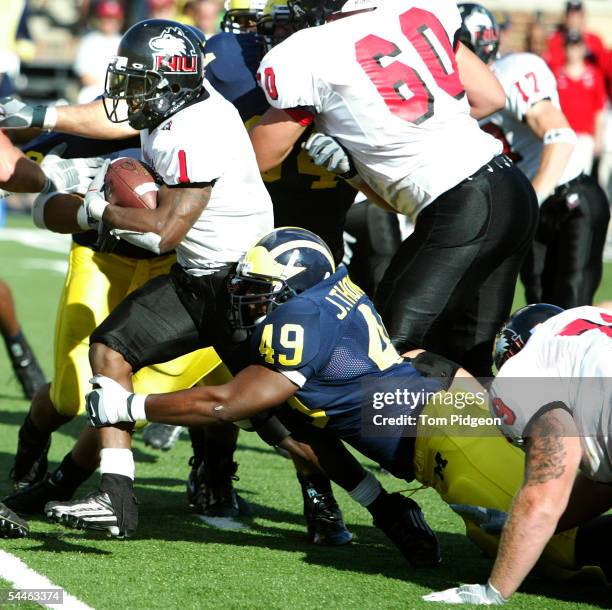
x: 130, y: 184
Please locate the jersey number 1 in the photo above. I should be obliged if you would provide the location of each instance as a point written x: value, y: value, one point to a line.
x: 401, y: 86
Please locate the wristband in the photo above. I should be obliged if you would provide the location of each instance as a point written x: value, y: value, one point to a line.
x: 136, y: 406
x: 82, y: 219
x: 44, y: 117
x: 38, y: 209
x: 565, y: 135
x: 96, y: 206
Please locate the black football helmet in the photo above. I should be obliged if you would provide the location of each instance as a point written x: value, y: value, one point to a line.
x: 479, y: 31
x: 308, y: 13
x: 279, y: 266
x: 516, y: 331
x: 158, y: 69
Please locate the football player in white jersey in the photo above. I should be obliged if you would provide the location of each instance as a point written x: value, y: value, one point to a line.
x: 391, y: 83
x: 564, y: 265
x: 211, y: 206
x: 553, y: 395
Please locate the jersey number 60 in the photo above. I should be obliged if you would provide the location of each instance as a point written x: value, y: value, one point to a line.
x: 401, y: 86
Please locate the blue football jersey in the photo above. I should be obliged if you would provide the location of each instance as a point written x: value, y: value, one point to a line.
x: 332, y: 344
x: 233, y: 62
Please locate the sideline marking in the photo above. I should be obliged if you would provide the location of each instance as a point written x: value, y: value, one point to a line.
x: 18, y: 574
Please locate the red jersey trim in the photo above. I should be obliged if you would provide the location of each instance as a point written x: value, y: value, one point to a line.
x: 300, y: 115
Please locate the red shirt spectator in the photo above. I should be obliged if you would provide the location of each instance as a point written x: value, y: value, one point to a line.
x: 582, y: 97
x: 554, y: 55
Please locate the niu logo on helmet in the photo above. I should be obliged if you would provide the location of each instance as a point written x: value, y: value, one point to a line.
x: 173, y: 52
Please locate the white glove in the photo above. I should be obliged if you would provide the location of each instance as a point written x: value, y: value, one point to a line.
x: 326, y: 152
x: 68, y: 175
x: 109, y: 403
x: 14, y: 114
x: 479, y: 595
x: 94, y: 203
x: 487, y: 519
x: 349, y: 241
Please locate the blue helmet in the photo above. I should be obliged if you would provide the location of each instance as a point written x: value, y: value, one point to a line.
x: 281, y: 265
x: 516, y: 331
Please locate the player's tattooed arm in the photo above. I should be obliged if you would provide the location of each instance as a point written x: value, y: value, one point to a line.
x: 178, y: 207
x: 253, y: 390
x: 484, y: 92
x: 553, y: 457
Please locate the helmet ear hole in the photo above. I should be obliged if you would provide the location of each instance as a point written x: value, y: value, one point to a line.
x: 175, y: 88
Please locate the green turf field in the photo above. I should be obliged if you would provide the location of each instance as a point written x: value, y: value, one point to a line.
x: 176, y: 561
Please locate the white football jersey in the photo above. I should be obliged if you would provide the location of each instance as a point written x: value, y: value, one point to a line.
x: 527, y: 80
x: 385, y: 84
x: 568, y: 360
x: 207, y: 142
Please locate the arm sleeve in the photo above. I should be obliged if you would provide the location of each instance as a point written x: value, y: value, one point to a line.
x: 528, y: 82
x: 287, y: 79
x: 290, y: 341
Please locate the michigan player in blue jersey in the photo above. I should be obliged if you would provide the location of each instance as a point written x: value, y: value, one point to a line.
x: 318, y: 342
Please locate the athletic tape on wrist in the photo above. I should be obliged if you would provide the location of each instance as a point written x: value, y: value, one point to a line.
x: 565, y: 135
x: 83, y: 219
x: 38, y: 209
x: 136, y: 407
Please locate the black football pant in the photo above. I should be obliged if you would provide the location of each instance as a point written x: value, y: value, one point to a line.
x: 377, y: 236
x: 564, y: 264
x: 451, y: 284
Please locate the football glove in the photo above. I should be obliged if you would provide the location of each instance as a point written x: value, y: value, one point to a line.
x: 109, y: 403
x: 14, y: 114
x: 479, y: 595
x: 487, y: 519
x: 68, y: 175
x: 94, y: 203
x: 328, y: 153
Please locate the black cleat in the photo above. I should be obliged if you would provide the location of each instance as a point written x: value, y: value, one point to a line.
x: 324, y: 519
x: 405, y: 525
x: 112, y: 508
x: 31, y: 500
x: 30, y: 465
x: 212, y: 493
x: 161, y: 436
x: 12, y: 526
x: 26, y: 368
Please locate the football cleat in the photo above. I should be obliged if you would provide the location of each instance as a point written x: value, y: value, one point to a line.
x: 31, y: 500
x: 11, y: 525
x: 27, y: 370
x: 405, y: 525
x: 161, y: 436
x: 30, y: 465
x: 212, y: 493
x: 324, y: 519
x: 112, y: 508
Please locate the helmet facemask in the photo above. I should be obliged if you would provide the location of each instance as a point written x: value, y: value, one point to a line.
x: 147, y: 95
x: 275, y: 24
x: 252, y: 298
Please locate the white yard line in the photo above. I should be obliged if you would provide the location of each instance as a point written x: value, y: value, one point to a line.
x: 17, y: 573
x: 37, y: 238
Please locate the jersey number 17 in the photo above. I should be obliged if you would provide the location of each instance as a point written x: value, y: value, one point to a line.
x: 401, y: 86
